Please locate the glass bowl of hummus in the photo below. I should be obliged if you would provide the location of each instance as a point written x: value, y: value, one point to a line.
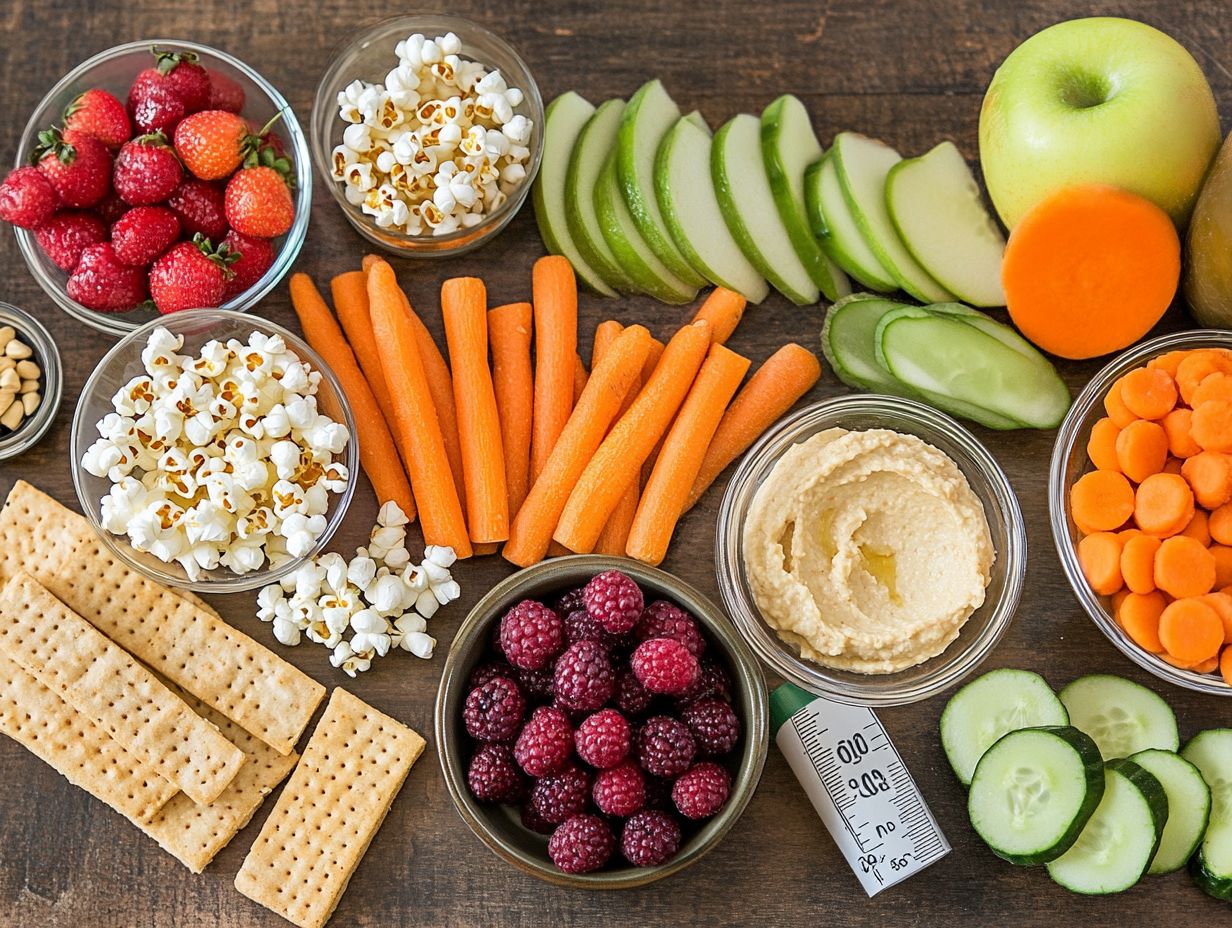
x: 871, y: 550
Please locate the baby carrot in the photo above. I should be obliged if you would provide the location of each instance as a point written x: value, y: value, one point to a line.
x: 1101, y: 501
x: 1102, y: 445
x: 605, y: 333
x: 723, y: 309
x: 1148, y: 393
x: 1177, y: 425
x: 513, y: 379
x: 1183, y: 567
x: 1162, y: 505
x: 1138, y: 614
x: 1099, y: 554
x: 555, y: 309
x: 580, y: 376
x: 1209, y: 475
x: 350, y: 292
x: 1138, y: 563
x: 1190, y: 630
x: 1141, y: 449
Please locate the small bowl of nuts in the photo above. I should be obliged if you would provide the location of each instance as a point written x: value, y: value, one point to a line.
x: 428, y: 132
x: 30, y: 381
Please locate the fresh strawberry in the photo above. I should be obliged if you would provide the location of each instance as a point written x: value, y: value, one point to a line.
x: 254, y: 256
x: 186, y: 77
x: 146, y: 170
x: 153, y: 105
x: 200, y: 207
x: 271, y: 138
x: 192, y: 275
x: 103, y: 283
x: 78, y: 166
x: 259, y: 202
x: 214, y: 143
x: 100, y: 114
x: 67, y: 234
x: 225, y: 93
x: 144, y: 233
x: 27, y: 198
x: 110, y: 208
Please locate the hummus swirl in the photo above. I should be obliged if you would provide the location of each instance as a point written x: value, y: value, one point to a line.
x: 867, y: 551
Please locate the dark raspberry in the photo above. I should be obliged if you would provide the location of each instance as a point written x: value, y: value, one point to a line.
x: 530, y: 635
x: 557, y: 796
x: 571, y: 601
x: 489, y: 671
x: 614, y: 600
x: 494, y: 710
x: 665, y: 666
x: 579, y: 624
x: 582, y: 844
x: 532, y: 821
x: 662, y: 619
x: 650, y: 838
x: 701, y: 791
x: 665, y: 746
x: 493, y: 776
x: 583, y: 679
x: 631, y: 697
x: 712, y: 681
x: 603, y: 739
x: 620, y: 791
x: 714, y: 725
x: 545, y: 742
x: 536, y: 684
x: 658, y: 793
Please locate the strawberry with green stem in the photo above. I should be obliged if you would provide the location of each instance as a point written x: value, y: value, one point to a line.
x: 146, y: 170
x: 258, y: 198
x: 192, y: 275
x: 78, y: 166
x: 98, y: 113
x: 213, y: 144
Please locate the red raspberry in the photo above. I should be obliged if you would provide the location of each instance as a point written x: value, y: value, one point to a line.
x: 538, y: 685
x: 603, y: 739
x: 530, y: 635
x: 199, y: 204
x: 545, y: 742
x: 225, y: 93
x: 714, y: 725
x: 27, y: 198
x: 665, y: 666
x: 558, y: 796
x: 532, y: 821
x: 658, y: 793
x: 579, y: 624
x: 702, y: 790
x: 146, y: 170
x: 712, y: 681
x: 571, y: 601
x: 144, y: 233
x: 665, y: 746
x: 489, y: 671
x: 650, y: 838
x: 582, y: 844
x: 620, y: 791
x: 662, y: 619
x: 66, y: 235
x: 631, y: 697
x: 494, y: 710
x: 583, y: 679
x: 102, y: 282
x: 110, y: 208
x: 614, y: 601
x: 493, y: 776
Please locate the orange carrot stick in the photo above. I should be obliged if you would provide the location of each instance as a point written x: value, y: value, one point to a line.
x: 513, y: 379
x: 618, y: 461
x: 652, y: 362
x: 605, y: 334
x: 723, y: 309
x: 417, y: 427
x: 377, y: 452
x: 555, y: 307
x: 464, y: 307
x: 350, y: 292
x: 588, y: 424
x: 580, y: 376
x: 616, y: 532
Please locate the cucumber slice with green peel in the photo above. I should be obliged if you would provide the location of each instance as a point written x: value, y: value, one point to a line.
x: 1211, y: 868
x: 1122, y: 716
x: 637, y: 260
x: 862, y: 165
x: 1003, y: 333
x: 935, y: 205
x: 590, y: 152
x: 646, y: 120
x: 847, y: 343
x: 991, y: 706
x: 788, y: 146
x: 1189, y: 807
x: 739, y: 174
x: 836, y: 229
x: 1121, y: 839
x: 1033, y: 792
x: 691, y: 211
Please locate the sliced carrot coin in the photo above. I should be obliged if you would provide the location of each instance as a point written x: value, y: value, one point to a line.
x: 1169, y: 362
x: 1223, y: 565
x: 1139, y: 617
x: 1222, y: 604
x: 1102, y: 500
x: 1197, y: 528
x: 1163, y: 504
x: 1211, y: 426
x: 1225, y: 666
x: 1177, y: 425
x: 1195, y: 368
x: 1190, y: 630
x: 1220, y: 524
x: 1148, y: 392
x: 1138, y: 563
x: 1117, y: 411
x: 1141, y: 449
x: 1101, y: 445
x: 1173, y: 466
x: 1184, y: 567
x: 1209, y: 475
x: 1099, y: 555
x: 1216, y: 386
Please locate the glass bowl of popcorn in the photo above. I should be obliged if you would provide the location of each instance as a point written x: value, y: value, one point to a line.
x: 427, y: 131
x: 213, y: 451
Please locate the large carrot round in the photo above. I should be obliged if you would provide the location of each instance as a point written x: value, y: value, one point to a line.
x: 723, y: 309
x: 1183, y: 567
x: 1190, y: 630
x: 1101, y: 501
x: 554, y: 290
x: 1090, y: 269
x: 509, y: 329
x: 1163, y: 504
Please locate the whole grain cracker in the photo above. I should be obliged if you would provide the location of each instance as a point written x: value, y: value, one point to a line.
x: 353, y: 767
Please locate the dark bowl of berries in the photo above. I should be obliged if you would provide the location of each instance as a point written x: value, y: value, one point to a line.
x: 600, y: 723
x: 158, y: 176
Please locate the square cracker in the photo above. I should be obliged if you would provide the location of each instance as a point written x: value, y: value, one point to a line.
x: 353, y: 767
x: 101, y: 680
x: 226, y: 669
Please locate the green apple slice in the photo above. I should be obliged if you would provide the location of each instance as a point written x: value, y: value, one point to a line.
x: 594, y: 143
x: 691, y: 211
x: 836, y: 229
x: 789, y: 145
x: 647, y: 118
x: 743, y: 190
x: 562, y: 122
x: 862, y: 164
x: 637, y: 259
x: 935, y: 205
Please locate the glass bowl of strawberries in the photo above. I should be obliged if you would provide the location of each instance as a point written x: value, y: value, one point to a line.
x: 157, y: 176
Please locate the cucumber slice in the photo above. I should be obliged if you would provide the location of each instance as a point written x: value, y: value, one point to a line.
x: 739, y: 174
x: 1189, y: 807
x: 646, y: 120
x: 1120, y: 840
x: 836, y: 228
x: 1122, y: 716
x: 993, y: 705
x: 847, y: 342
x: 935, y: 205
x: 691, y: 211
x: 594, y: 144
x: 1211, y: 868
x: 1033, y: 792
x: 788, y: 146
x: 862, y: 165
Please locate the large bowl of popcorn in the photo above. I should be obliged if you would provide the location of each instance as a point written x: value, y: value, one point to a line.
x: 213, y: 451
x: 427, y: 130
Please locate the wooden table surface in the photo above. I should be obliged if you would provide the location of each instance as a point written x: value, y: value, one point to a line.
x: 909, y: 73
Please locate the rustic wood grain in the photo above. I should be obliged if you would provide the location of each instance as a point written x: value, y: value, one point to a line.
x: 910, y: 73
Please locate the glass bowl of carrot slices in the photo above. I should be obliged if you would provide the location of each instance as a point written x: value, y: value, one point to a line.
x: 1140, y: 499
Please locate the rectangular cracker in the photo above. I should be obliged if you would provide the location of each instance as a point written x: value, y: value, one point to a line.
x: 101, y: 680
x: 226, y: 669
x: 353, y: 767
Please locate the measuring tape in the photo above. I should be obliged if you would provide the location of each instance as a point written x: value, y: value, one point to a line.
x: 859, y: 785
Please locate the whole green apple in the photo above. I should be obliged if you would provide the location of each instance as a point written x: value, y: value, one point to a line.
x: 1099, y: 100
